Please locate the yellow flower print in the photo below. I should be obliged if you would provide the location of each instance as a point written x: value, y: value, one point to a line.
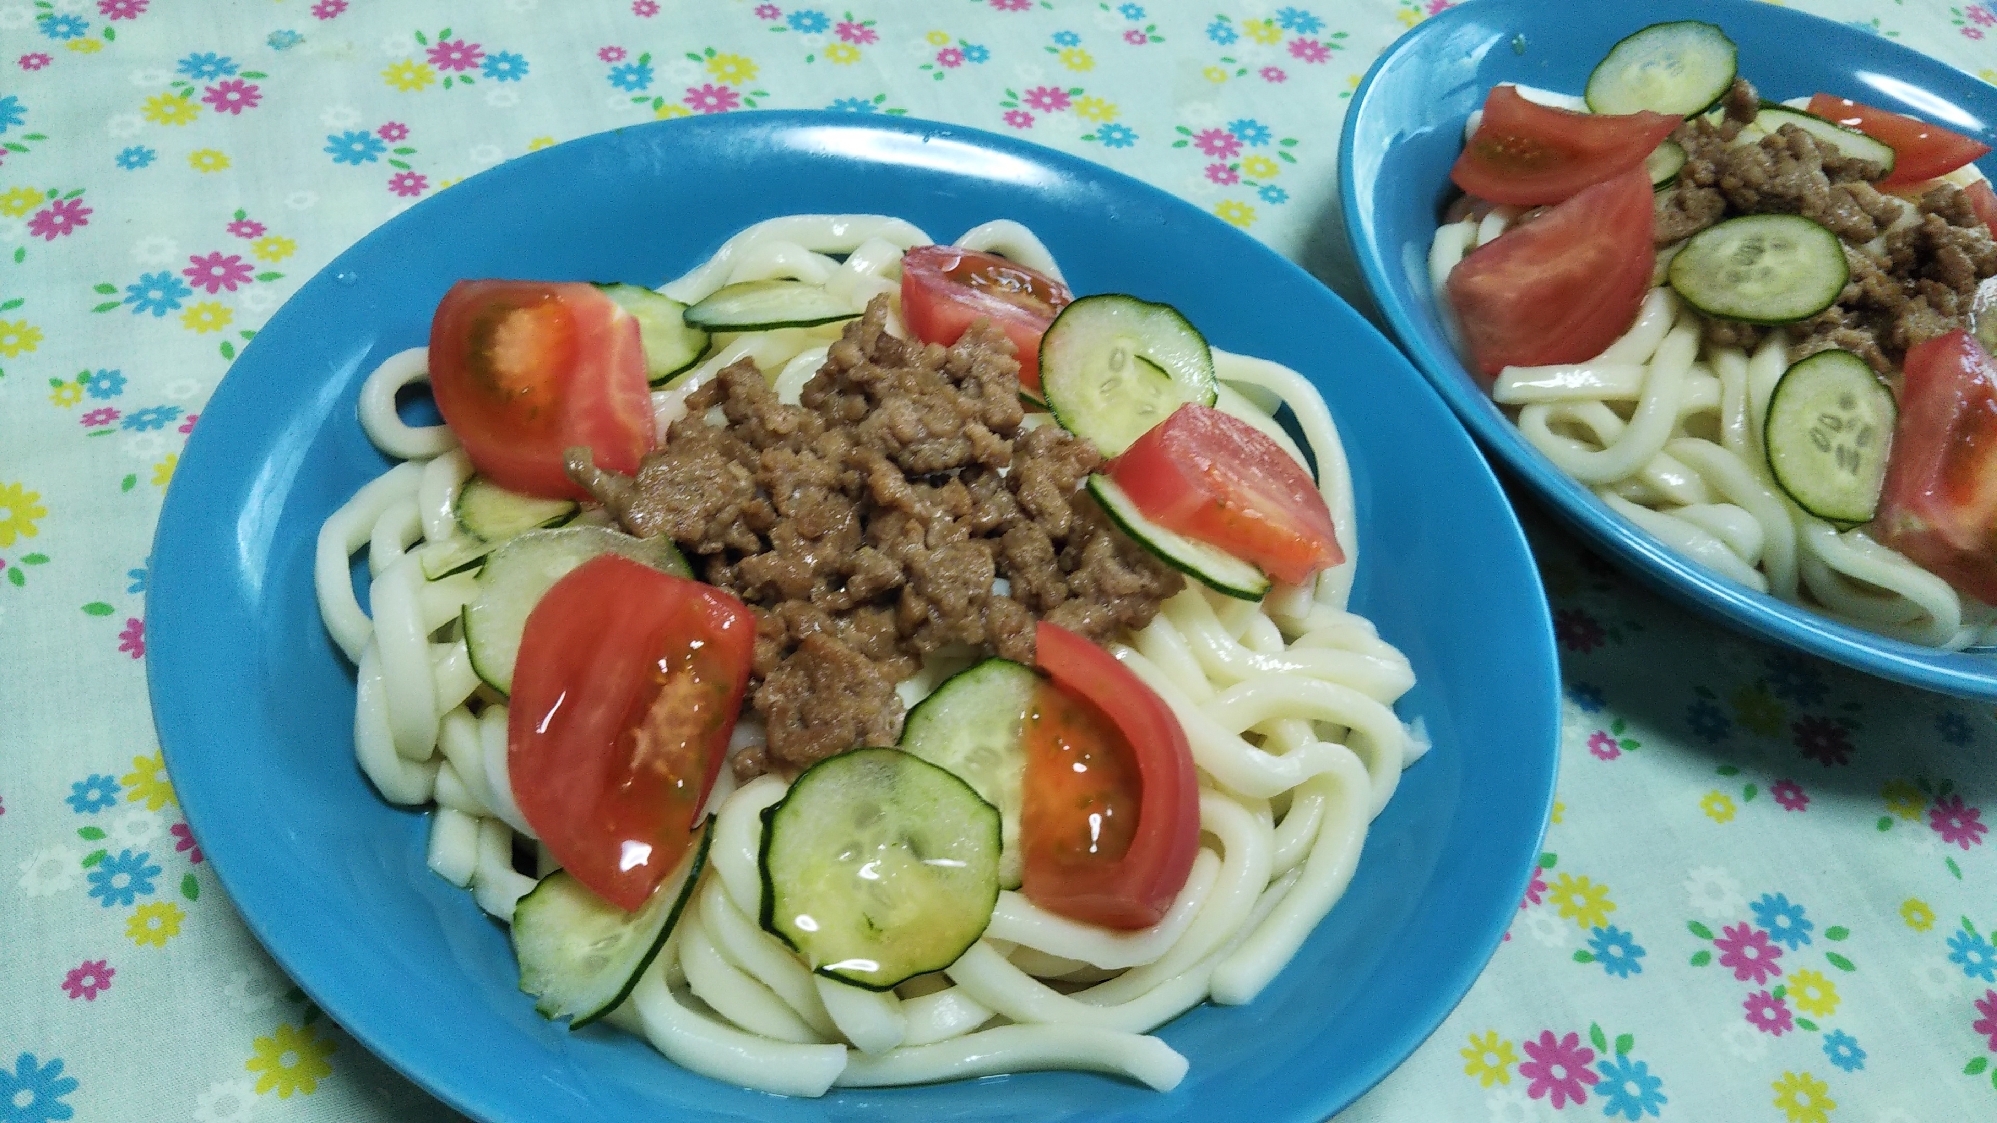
x: 18, y: 336
x: 1559, y: 812
x: 207, y: 316
x: 1259, y: 167
x: 1095, y: 109
x: 1758, y: 710
x: 163, y: 471
x: 1262, y: 30
x: 1814, y: 994
x: 1917, y: 914
x: 409, y: 75
x: 540, y: 142
x: 20, y: 201
x: 290, y: 1060
x: 170, y: 109
x: 732, y: 70
x: 1903, y: 799
x: 273, y: 248
x: 1236, y: 212
x: 1718, y: 806
x: 668, y: 111
x: 1077, y: 59
x: 86, y: 46
x: 146, y: 783
x: 1582, y: 901
x: 66, y: 395
x: 842, y: 53
x: 1489, y: 1058
x: 938, y: 38
x: 1803, y: 1098
x: 207, y: 160
x: 1214, y: 74
x: 155, y: 924
x: 1408, y: 16
x: 19, y: 508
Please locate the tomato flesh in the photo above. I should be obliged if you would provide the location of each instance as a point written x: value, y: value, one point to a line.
x: 1938, y: 504
x: 626, y: 690
x: 1920, y: 151
x: 1983, y: 200
x: 525, y: 370
x: 1527, y: 154
x: 1110, y: 819
x: 1214, y: 478
x: 1563, y: 287
x: 944, y: 290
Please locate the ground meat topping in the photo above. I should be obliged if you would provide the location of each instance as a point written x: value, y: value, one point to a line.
x: 902, y: 508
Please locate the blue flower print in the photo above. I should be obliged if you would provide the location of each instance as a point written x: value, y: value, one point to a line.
x: 205, y: 65
x: 136, y: 157
x: 504, y: 66
x: 976, y: 52
x: 60, y: 27
x: 283, y: 40
x: 138, y: 577
x: 44, y: 1087
x: 1587, y: 697
x: 121, y: 880
x: 158, y: 293
x: 89, y: 796
x: 1617, y: 952
x: 1222, y: 32
x: 1299, y: 21
x: 632, y: 76
x: 1116, y: 136
x: 150, y: 418
x: 1954, y: 728
x: 1250, y: 132
x: 106, y: 384
x: 11, y: 113
x: 1707, y: 721
x: 355, y: 147
x: 811, y: 21
x: 1067, y: 39
x: 1273, y: 194
x: 1842, y: 1048
x: 1130, y: 11
x: 1628, y: 1089
x: 1796, y: 678
x: 1973, y: 954
x: 853, y: 105
x: 1782, y: 921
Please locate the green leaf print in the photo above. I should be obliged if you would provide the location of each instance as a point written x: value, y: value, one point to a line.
x: 1976, y: 1066
x: 1583, y: 957
x: 1885, y: 822
x: 1547, y: 860
x: 1839, y: 961
x: 1624, y: 1043
x: 1837, y: 932
x: 97, y: 608
x: 190, y: 888
x: 1701, y: 958
x: 128, y: 483
x: 16, y: 578
x: 90, y: 834
x: 105, y: 287
x: 1748, y: 793
x: 1727, y: 770
x: 1953, y: 868
x: 92, y: 858
x: 1600, y: 1039
x: 1699, y: 930
x: 1805, y: 1023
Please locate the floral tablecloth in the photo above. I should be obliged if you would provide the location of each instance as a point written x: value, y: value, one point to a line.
x: 1767, y: 891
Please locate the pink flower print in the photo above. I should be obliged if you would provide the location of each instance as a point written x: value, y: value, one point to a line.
x: 644, y: 9
x: 327, y: 9
x: 122, y: 9
x: 1047, y: 99
x: 59, y: 218
x: 88, y: 979
x: 456, y: 54
x: 1822, y: 740
x: 98, y: 418
x: 1437, y: 7
x: 1987, y: 1024
x: 1957, y: 823
x: 1217, y: 143
x: 132, y: 641
x: 1136, y: 38
x: 950, y: 58
x: 1789, y: 794
x: 1019, y: 118
x: 1972, y: 33
x: 393, y: 132
x: 854, y: 32
x: 35, y: 61
x: 610, y: 54
x: 1558, y: 1067
x: 1977, y: 13
x: 768, y: 11
x: 1273, y: 74
x: 1011, y: 5
x: 1578, y: 630
x: 1535, y: 890
x: 1309, y: 50
x: 1768, y: 1014
x: 215, y: 272
x: 232, y: 96
x: 184, y: 844
x: 187, y: 426
x: 1746, y: 950
x: 246, y: 228
x: 1223, y: 174
x: 408, y: 184
x: 711, y: 98
x: 1603, y: 745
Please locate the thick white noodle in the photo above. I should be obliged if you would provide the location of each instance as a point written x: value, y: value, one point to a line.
x: 437, y: 496
x: 1016, y: 1048
x: 1009, y: 239
x: 453, y: 853
x: 742, y: 942
x: 712, y: 1048
x: 379, y: 419
x: 347, y: 530
x: 397, y: 778
x: 497, y: 885
x: 735, y: 994
x: 498, y: 781
x: 820, y: 233
x: 408, y: 680
x: 871, y: 1020
x: 1018, y: 920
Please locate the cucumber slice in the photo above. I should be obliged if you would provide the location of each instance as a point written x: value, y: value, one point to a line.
x: 972, y: 726
x: 1678, y: 68
x: 519, y: 571
x: 452, y: 555
x: 763, y: 305
x: 1112, y: 366
x: 1211, y: 566
x: 1761, y: 269
x: 491, y: 513
x: 580, y: 955
x: 1830, y: 422
x: 671, y: 346
x: 1848, y: 142
x: 879, y: 866
x: 1664, y: 163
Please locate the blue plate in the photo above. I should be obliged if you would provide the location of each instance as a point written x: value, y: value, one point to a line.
x: 255, y: 706
x: 1404, y: 130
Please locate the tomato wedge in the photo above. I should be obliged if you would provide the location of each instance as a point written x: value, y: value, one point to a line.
x: 1110, y: 818
x: 1938, y: 505
x: 1920, y: 151
x: 1983, y: 200
x: 1213, y: 477
x: 1562, y: 287
x: 944, y: 290
x: 624, y: 696
x: 525, y: 370
x: 1527, y: 154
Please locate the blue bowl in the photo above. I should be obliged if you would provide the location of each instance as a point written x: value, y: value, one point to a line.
x: 1404, y: 130
x: 255, y: 706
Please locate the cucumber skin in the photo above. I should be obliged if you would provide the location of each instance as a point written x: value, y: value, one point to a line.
x: 1768, y: 442
x: 1204, y: 393
x: 700, y: 315
x: 1843, y: 264
x: 1143, y: 537
x: 915, y: 734
x: 1642, y: 31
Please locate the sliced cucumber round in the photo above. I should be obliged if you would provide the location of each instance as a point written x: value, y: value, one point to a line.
x: 1211, y: 566
x: 1848, y: 142
x: 671, y: 344
x: 1112, y: 366
x: 973, y: 726
x: 491, y: 513
x: 879, y: 866
x: 1664, y: 163
x: 1829, y: 426
x: 764, y: 305
x: 1678, y: 68
x: 1761, y: 269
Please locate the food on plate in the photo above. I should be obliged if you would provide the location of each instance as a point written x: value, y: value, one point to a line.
x: 854, y: 720
x: 1763, y: 339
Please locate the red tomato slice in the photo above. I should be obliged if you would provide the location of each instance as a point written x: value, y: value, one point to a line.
x: 1983, y: 200
x: 1110, y: 819
x: 1526, y: 154
x: 1212, y: 477
x: 945, y: 289
x: 1920, y: 151
x: 525, y: 370
x: 1562, y: 287
x: 1938, y: 505
x: 624, y: 696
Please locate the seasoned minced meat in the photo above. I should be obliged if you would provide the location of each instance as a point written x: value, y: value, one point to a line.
x: 868, y: 526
